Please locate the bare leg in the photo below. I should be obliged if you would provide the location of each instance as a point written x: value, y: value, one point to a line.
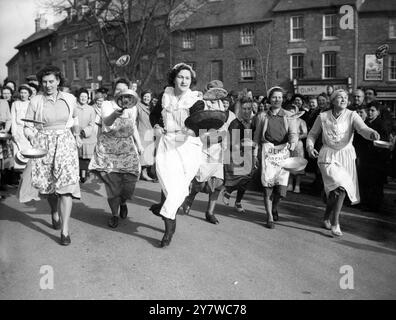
x: 66, y: 203
x: 268, y: 208
x: 339, y: 201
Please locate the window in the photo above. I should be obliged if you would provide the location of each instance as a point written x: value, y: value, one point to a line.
x: 160, y: 69
x: 297, y: 28
x: 64, y: 44
x: 38, y: 52
x: 248, y: 71
x: 88, y: 68
x: 75, y: 41
x: 297, y: 66
x: 193, y: 65
x: 329, y: 26
x: 216, y: 70
x: 88, y: 38
x: 188, y: 40
x: 64, y: 69
x: 329, y: 65
x: 392, y: 67
x: 24, y: 56
x: 75, y: 69
x: 216, y: 40
x: 247, y: 35
x: 50, y: 48
x: 392, y: 28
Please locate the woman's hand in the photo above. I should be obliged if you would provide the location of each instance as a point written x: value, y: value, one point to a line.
x: 140, y: 150
x: 291, y: 146
x: 375, y: 136
x: 255, y: 162
x: 313, y: 153
x: 158, y: 130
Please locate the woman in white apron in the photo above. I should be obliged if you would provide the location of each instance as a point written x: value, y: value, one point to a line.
x: 18, y: 112
x: 210, y: 176
x: 336, y: 159
x: 276, y: 135
x: 179, y: 149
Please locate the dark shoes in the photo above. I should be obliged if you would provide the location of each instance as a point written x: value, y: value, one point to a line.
x: 56, y: 224
x: 170, y: 228
x: 186, y: 207
x: 113, y: 222
x: 211, y: 218
x: 270, y: 225
x: 123, y: 211
x: 65, y: 240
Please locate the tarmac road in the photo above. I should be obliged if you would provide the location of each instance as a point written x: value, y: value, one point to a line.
x: 237, y: 259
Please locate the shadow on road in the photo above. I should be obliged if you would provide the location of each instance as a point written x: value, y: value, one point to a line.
x: 99, y: 218
x: 10, y: 214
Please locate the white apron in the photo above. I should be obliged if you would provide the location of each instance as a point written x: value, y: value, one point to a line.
x: 272, y: 173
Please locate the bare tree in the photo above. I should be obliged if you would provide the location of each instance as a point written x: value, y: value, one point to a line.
x: 138, y: 28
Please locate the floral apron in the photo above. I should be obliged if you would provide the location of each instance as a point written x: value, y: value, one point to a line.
x: 116, y: 151
x: 59, y: 168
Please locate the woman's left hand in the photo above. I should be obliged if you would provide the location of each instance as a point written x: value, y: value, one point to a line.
x: 375, y: 136
x: 291, y: 146
x: 140, y: 150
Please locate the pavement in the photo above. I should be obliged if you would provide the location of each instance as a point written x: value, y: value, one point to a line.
x: 237, y: 259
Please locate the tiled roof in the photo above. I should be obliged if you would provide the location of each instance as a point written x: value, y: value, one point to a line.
x: 378, y: 5
x: 228, y: 12
x: 292, y: 5
x: 39, y: 35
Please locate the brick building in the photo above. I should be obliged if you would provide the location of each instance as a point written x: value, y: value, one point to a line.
x: 227, y: 40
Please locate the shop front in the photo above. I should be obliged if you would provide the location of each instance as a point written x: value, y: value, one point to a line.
x: 314, y: 87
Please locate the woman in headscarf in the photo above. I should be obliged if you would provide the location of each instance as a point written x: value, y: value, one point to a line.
x: 337, y: 156
x: 179, y: 148
x: 146, y: 134
x: 86, y: 118
x: 238, y: 171
x: 56, y: 175
x: 276, y: 135
x: 116, y: 156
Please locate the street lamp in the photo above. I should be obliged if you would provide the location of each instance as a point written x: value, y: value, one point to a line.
x: 295, y: 85
x: 349, y: 81
x: 100, y: 78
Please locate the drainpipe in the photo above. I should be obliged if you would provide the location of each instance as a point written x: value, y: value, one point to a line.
x: 355, y: 81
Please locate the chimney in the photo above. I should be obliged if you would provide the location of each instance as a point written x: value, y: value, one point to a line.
x: 41, y: 22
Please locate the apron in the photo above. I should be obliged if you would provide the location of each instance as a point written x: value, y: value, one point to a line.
x: 116, y: 151
x: 272, y: 173
x: 272, y: 155
x: 59, y: 167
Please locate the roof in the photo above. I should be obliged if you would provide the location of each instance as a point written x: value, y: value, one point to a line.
x: 293, y: 5
x: 39, y: 35
x: 228, y: 12
x: 14, y: 58
x: 378, y: 5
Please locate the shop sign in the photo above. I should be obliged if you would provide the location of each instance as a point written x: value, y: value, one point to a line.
x: 373, y: 67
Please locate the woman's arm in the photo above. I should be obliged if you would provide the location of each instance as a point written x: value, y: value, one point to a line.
x: 28, y: 129
x: 303, y: 129
x: 312, y: 136
x: 90, y: 128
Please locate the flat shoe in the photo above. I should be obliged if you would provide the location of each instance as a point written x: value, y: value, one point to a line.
x: 113, y: 222
x: 65, y: 240
x: 270, y: 225
x: 275, y: 215
x: 239, y: 208
x: 327, y: 224
x: 336, y: 231
x: 211, y: 218
x: 123, y: 211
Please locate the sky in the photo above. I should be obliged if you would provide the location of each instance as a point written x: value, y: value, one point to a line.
x: 16, y: 23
